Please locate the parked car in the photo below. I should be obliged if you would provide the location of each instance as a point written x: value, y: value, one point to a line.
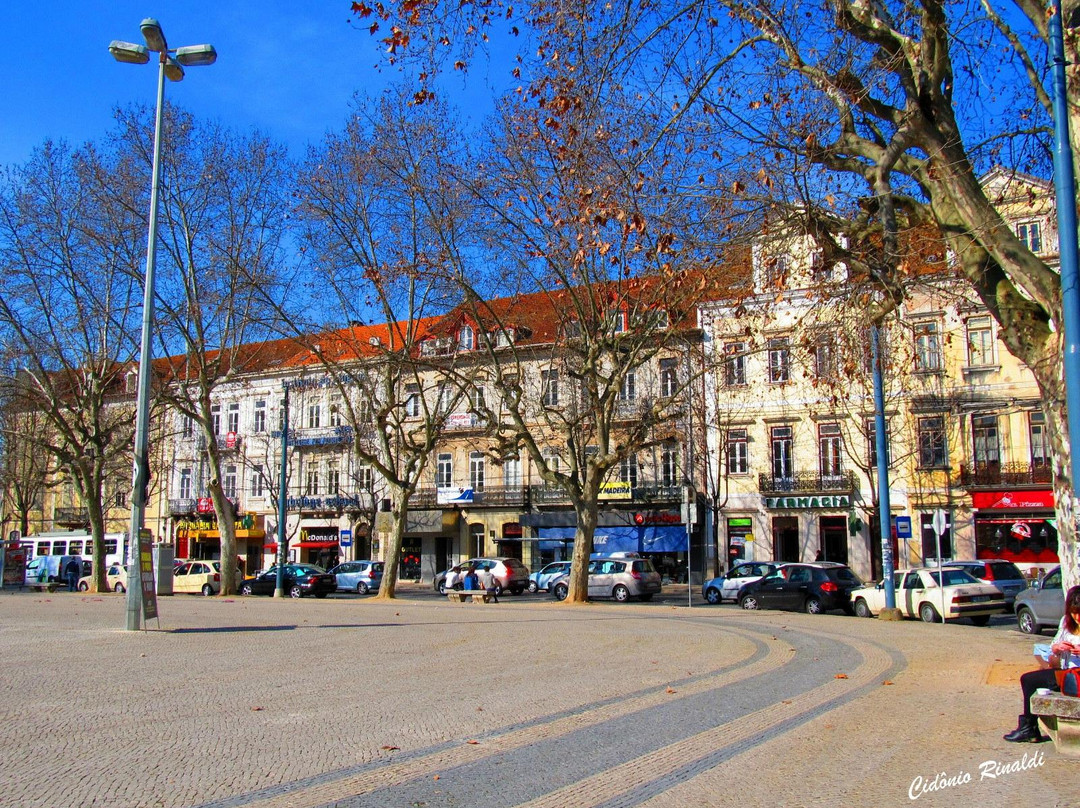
x: 1003, y: 575
x: 509, y: 574
x: 618, y: 578
x: 918, y: 595
x: 727, y: 587
x: 543, y: 578
x: 115, y: 579
x: 358, y: 576
x: 299, y: 580
x: 194, y: 577
x: 812, y: 587
x: 1042, y: 606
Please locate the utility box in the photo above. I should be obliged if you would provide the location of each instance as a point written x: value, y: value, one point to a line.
x: 163, y: 555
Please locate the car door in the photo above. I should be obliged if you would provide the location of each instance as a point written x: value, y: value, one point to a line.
x: 599, y: 578
x: 181, y: 579
x: 913, y: 590
x: 796, y: 589
x: 769, y: 591
x: 1049, y: 601
x: 735, y: 579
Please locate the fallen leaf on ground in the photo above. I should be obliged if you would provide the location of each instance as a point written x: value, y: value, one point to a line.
x: 840, y: 676
x: 257, y: 709
x: 670, y: 690
x: 474, y: 743
x: 391, y: 748
x: 887, y: 682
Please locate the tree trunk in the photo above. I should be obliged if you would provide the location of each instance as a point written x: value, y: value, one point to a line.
x: 583, y: 543
x: 392, y: 554
x: 1058, y: 435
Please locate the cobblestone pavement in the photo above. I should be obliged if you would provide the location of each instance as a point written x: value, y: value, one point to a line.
x: 257, y: 703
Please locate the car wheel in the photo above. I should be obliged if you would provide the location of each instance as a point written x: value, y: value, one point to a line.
x: 83, y: 586
x: 928, y: 613
x: 749, y: 602
x: 813, y: 606
x: 533, y: 588
x: 497, y: 589
x: 1025, y: 619
x: 459, y: 587
x: 981, y: 620
x: 712, y: 595
x: 646, y: 597
x: 321, y: 594
x: 517, y: 590
x: 862, y: 609
x: 207, y: 590
x: 361, y: 588
x: 561, y: 591
x: 621, y: 593
x: 296, y: 592
x: 245, y: 589
x: 119, y: 588
x: 442, y: 587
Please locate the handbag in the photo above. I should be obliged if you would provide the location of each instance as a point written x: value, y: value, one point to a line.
x: 1068, y: 681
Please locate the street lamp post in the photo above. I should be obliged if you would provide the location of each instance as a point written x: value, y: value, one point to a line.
x: 171, y: 66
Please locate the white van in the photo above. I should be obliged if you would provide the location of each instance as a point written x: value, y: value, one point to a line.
x: 45, y: 570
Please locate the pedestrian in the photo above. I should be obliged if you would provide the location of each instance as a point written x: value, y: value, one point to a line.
x: 489, y: 584
x: 72, y: 571
x: 470, y: 581
x: 1064, y: 651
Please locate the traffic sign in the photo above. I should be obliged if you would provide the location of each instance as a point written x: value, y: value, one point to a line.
x: 903, y: 527
x: 939, y: 522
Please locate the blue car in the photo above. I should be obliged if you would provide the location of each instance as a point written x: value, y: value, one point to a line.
x: 358, y: 576
x: 543, y: 578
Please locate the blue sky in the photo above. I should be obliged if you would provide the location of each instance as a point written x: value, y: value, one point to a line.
x: 287, y: 67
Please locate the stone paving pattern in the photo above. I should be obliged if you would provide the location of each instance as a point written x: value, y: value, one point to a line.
x: 257, y: 703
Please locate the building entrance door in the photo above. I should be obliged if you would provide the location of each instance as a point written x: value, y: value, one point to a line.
x: 834, y: 544
x: 786, y: 538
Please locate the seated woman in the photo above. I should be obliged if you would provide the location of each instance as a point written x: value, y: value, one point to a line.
x: 1066, y: 642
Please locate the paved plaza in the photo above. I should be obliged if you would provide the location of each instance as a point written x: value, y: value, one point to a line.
x: 257, y: 703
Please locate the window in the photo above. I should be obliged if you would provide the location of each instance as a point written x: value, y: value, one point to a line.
x: 215, y: 419
x: 314, y: 415
x: 333, y: 479
x: 476, y: 399
x: 512, y: 472
x: 775, y: 272
x: 628, y: 388
x: 735, y: 364
x: 550, y: 387
x: 466, y: 338
x: 628, y: 471
x: 259, y: 421
x: 552, y: 458
x: 669, y: 464
x: 335, y: 413
x: 365, y: 481
x: 980, y: 340
x: 412, y: 401
x: 829, y: 445
x: 820, y: 272
x: 476, y: 471
x: 312, y: 489
x: 618, y: 320
x: 1040, y: 450
x: 185, y: 484
x: 445, y: 399
x: 119, y: 501
x: 984, y: 441
x: 228, y: 485
x: 738, y: 452
x: 187, y: 426
x: 779, y: 360
x: 233, y: 418
x: 1031, y: 234
x: 871, y: 443
x: 932, y: 443
x: 444, y: 470
x: 257, y: 481
x: 825, y: 358
x: 669, y: 377
x: 928, y: 347
x: 782, y: 460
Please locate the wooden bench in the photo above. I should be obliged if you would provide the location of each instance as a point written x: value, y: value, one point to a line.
x: 45, y: 586
x: 1060, y: 717
x: 475, y: 595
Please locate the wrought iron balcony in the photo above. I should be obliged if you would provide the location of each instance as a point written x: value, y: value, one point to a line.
x: 807, y: 483
x: 71, y: 516
x: 1009, y: 475
x: 181, y: 507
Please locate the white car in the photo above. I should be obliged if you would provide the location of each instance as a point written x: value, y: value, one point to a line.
x: 115, y: 579
x: 918, y: 595
x: 726, y: 587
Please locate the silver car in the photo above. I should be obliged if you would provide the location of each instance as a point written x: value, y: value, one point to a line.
x: 727, y: 587
x: 1041, y: 606
x: 358, y: 576
x: 618, y: 578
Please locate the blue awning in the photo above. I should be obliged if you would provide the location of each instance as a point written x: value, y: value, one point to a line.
x: 627, y: 539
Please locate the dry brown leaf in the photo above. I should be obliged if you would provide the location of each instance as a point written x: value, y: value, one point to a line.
x: 840, y: 676
x: 670, y: 690
x: 887, y: 682
x: 474, y: 743
x: 256, y: 709
x: 391, y: 748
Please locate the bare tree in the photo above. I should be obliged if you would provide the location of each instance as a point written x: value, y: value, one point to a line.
x: 25, y: 469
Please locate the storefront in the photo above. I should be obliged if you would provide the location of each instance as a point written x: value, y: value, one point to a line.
x: 808, y: 528
x: 1017, y: 526
x: 199, y: 537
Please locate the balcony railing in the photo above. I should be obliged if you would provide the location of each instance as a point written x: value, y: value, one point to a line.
x: 806, y: 483
x: 181, y: 507
x: 71, y: 516
x: 1009, y: 475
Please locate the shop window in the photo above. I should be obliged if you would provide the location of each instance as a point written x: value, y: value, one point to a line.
x: 739, y: 530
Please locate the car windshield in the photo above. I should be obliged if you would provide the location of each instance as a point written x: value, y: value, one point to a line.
x: 953, y: 577
x: 1004, y: 570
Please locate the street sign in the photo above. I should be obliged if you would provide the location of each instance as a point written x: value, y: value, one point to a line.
x: 939, y: 522
x: 903, y: 527
x: 345, y: 538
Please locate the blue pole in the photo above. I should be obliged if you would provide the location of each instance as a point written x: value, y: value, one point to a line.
x: 1065, y: 185
x: 279, y: 588
x: 881, y: 445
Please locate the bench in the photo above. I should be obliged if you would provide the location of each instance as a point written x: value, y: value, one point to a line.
x: 1060, y: 717
x: 43, y: 586
x: 475, y: 595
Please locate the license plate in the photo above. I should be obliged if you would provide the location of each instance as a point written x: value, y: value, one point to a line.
x: 980, y: 599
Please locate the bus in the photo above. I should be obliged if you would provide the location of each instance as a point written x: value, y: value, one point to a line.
x: 61, y: 543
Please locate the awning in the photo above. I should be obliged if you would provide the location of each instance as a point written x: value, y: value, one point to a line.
x: 271, y: 547
x: 317, y: 545
x: 627, y: 539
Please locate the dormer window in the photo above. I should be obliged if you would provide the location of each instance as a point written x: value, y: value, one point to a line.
x: 1031, y: 234
x: 618, y: 319
x: 775, y: 272
x: 466, y: 338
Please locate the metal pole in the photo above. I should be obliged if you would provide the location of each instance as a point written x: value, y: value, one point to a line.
x: 279, y: 589
x: 141, y: 472
x: 1065, y: 186
x: 881, y: 444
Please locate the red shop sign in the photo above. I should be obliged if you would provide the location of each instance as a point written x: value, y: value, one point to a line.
x: 1012, y: 499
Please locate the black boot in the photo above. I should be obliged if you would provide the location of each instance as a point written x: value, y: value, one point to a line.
x: 1027, y: 731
